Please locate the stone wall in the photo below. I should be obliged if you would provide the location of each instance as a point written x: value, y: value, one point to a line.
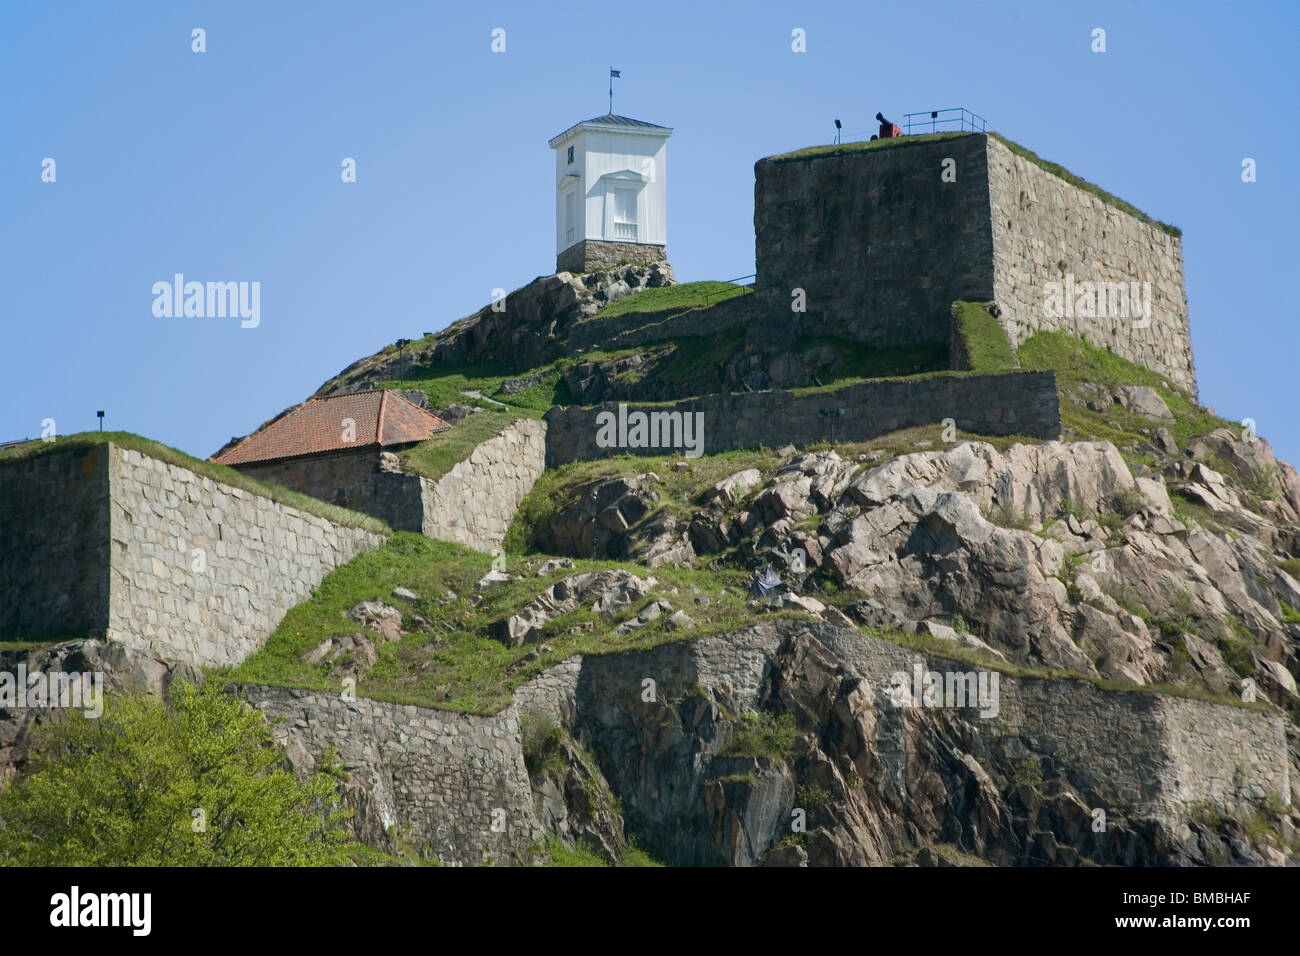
x: 54, y: 521
x: 1018, y: 403
x: 598, y: 255
x: 880, y: 246
x: 104, y: 539
x: 1132, y: 753
x: 365, y: 481
x: 474, y: 503
x: 1045, y: 228
x: 258, y: 560
x: 439, y: 775
x: 442, y: 775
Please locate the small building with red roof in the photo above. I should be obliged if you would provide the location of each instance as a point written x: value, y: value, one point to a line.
x: 339, y: 448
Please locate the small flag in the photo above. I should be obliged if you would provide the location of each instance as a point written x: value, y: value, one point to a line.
x: 615, y: 73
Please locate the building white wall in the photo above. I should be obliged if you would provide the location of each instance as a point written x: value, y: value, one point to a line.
x: 605, y: 160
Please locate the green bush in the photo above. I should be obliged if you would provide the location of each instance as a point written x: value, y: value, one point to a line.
x: 541, y: 739
x: 1029, y: 772
x: 193, y: 783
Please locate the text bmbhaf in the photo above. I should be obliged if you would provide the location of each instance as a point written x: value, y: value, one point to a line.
x: 651, y: 430
x: 103, y: 909
x: 1088, y: 300
x: 59, y: 689
x: 213, y: 300
x: 951, y: 689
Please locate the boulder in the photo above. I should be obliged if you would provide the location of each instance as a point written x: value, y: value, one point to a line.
x: 383, y: 619
x: 1144, y: 401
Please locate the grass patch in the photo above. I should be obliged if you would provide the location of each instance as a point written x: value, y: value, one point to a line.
x: 436, y: 456
x: 982, y: 339
x: 540, y: 738
x: 222, y: 473
x: 446, y: 384
x: 845, y: 149
x: 1078, y: 363
x: 762, y: 735
x: 454, y: 664
x: 560, y: 855
x: 860, y: 362
x: 688, y: 295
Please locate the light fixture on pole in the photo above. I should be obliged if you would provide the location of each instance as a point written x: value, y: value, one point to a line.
x: 100, y: 415
x: 837, y: 132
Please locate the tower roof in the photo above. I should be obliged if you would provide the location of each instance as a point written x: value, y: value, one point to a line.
x: 612, y: 121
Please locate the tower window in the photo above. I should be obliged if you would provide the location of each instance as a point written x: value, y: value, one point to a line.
x: 570, y: 155
x: 625, y: 214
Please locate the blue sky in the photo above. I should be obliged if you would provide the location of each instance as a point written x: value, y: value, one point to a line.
x: 225, y: 166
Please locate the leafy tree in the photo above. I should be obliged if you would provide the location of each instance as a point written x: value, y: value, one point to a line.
x: 190, y: 783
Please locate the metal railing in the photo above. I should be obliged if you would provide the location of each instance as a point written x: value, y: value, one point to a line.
x: 739, y: 280
x: 955, y: 120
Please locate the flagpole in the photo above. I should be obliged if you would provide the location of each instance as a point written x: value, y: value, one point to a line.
x: 611, y: 91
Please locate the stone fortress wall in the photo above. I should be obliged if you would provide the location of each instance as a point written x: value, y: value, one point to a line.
x: 54, y: 543
x: 882, y: 246
x: 1045, y: 229
x: 155, y: 556
x: 1019, y: 403
x: 474, y: 503
x: 1134, y: 754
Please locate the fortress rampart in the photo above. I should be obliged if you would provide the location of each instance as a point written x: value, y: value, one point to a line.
x: 883, y: 239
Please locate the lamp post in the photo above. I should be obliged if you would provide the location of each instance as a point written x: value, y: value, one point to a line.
x: 837, y: 132
x: 100, y: 415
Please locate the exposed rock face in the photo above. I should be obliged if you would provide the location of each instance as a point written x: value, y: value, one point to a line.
x: 1004, y: 543
x: 601, y: 512
x: 1017, y: 777
x: 608, y: 590
x: 526, y: 333
x: 1141, y: 400
x: 121, y: 669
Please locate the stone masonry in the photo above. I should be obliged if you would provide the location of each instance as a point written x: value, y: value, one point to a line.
x: 367, y: 481
x: 1044, y: 228
x: 437, y: 774
x: 185, y: 567
x: 882, y: 245
x: 599, y: 255
x: 440, y: 775
x: 54, y: 539
x: 1018, y: 403
x: 474, y: 503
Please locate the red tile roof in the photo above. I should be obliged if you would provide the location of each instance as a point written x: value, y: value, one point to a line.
x: 380, y: 418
